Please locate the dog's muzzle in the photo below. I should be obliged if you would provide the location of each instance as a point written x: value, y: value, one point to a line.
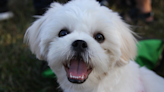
x: 77, y: 69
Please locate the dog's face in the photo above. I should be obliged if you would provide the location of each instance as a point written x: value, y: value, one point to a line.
x: 82, y: 42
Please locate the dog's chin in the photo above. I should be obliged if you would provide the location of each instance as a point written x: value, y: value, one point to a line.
x: 77, y: 70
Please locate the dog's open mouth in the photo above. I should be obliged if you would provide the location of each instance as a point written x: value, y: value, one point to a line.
x: 77, y: 70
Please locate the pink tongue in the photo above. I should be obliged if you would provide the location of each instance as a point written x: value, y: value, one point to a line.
x: 78, y: 68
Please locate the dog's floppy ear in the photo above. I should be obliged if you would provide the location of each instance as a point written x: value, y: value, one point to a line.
x: 32, y: 38
x: 32, y: 35
x: 128, y: 44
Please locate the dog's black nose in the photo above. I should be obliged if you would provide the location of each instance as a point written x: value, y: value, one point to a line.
x: 79, y: 45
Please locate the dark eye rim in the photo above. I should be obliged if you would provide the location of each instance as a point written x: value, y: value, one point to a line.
x: 66, y: 30
x: 99, y: 40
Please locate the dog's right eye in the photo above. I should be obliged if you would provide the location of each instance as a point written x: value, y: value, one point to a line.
x: 63, y: 32
x: 99, y: 37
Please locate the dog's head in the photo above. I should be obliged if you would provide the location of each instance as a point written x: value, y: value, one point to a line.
x: 81, y: 41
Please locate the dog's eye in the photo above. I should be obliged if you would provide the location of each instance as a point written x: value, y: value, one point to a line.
x: 99, y: 37
x: 63, y: 32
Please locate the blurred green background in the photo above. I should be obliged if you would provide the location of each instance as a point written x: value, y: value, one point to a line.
x: 20, y: 71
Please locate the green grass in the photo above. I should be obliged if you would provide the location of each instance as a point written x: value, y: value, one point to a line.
x: 20, y: 71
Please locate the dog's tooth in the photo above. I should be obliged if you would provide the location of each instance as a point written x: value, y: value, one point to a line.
x: 82, y: 77
x: 76, y: 77
x: 70, y: 75
x: 68, y: 64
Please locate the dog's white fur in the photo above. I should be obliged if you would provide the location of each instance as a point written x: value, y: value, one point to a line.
x: 112, y: 69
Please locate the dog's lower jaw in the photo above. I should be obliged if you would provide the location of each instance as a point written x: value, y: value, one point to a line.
x: 123, y: 79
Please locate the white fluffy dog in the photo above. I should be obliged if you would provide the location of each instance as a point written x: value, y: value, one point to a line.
x: 89, y: 48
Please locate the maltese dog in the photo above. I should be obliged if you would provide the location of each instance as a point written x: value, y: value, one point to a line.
x: 90, y: 49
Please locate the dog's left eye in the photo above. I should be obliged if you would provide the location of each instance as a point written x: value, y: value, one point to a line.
x: 63, y: 32
x: 99, y: 37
